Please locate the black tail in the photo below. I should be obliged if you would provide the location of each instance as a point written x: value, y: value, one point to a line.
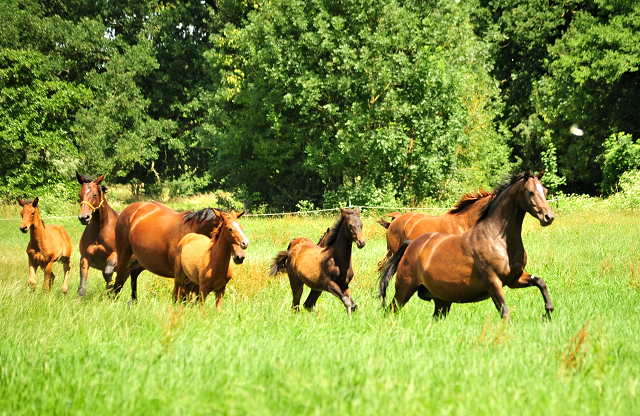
x: 390, y: 270
x: 384, y: 223
x: 279, y: 263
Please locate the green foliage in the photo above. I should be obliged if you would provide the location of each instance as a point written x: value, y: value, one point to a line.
x: 334, y: 100
x: 621, y: 154
x: 551, y: 180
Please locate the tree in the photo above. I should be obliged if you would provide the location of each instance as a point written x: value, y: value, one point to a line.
x: 369, y: 100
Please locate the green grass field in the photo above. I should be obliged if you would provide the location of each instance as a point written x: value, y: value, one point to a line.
x: 99, y: 357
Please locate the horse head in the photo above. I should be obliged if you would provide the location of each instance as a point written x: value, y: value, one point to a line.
x: 232, y: 228
x: 91, y: 197
x: 533, y: 199
x: 353, y: 224
x: 28, y: 213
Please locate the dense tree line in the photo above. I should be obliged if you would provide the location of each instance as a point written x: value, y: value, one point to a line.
x: 318, y: 101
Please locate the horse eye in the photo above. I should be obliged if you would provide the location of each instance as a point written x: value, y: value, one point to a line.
x: 95, y: 195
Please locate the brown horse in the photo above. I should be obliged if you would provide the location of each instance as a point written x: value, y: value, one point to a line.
x: 149, y: 232
x: 204, y: 261
x: 411, y: 225
x: 476, y: 264
x: 98, y: 241
x: 327, y: 268
x: 46, y: 246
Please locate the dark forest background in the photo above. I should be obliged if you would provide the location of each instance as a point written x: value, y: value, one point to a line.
x: 315, y: 102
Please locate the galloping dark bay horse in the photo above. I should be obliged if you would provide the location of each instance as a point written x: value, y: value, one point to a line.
x: 476, y: 264
x: 149, y: 232
x: 326, y: 268
x: 98, y: 241
x: 412, y: 225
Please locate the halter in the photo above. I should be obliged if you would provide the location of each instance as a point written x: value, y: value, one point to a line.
x: 91, y: 206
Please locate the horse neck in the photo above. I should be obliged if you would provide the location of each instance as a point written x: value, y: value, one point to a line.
x: 102, y: 213
x: 199, y: 227
x: 37, y: 232
x: 220, y: 252
x: 505, y: 215
x: 342, y: 246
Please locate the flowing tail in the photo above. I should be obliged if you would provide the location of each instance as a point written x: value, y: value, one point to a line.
x: 390, y: 270
x: 279, y: 263
x: 386, y: 224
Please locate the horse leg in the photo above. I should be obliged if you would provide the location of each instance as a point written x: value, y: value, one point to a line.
x: 135, y: 271
x: 354, y: 306
x: 332, y: 287
x: 296, y: 289
x: 527, y: 280
x: 108, y: 271
x: 66, y: 266
x: 494, y: 287
x: 32, y: 274
x: 442, y: 308
x: 47, y: 276
x: 405, y: 288
x: 219, y: 295
x: 84, y: 271
x: 123, y: 270
x: 310, y: 303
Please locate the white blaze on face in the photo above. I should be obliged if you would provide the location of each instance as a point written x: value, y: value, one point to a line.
x: 246, y: 241
x: 540, y: 189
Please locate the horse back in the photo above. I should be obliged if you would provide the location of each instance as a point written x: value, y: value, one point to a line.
x: 306, y: 261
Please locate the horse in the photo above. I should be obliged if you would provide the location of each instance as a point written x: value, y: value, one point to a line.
x: 205, y: 261
x: 326, y: 268
x: 476, y: 264
x: 47, y: 245
x: 321, y: 243
x: 411, y: 225
x: 149, y: 233
x: 98, y: 241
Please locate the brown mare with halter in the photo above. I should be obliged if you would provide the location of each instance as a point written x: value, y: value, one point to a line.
x: 98, y: 241
x: 47, y: 245
x: 149, y: 232
x: 476, y: 264
x: 412, y: 225
x: 204, y: 261
x: 326, y: 268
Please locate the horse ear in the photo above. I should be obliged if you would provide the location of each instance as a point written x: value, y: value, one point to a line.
x: 357, y: 210
x: 35, y: 202
x: 80, y: 178
x: 217, y: 212
x: 539, y: 175
x: 21, y: 202
x: 99, y: 179
x: 240, y: 214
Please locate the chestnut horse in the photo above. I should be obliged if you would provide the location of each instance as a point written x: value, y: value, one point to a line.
x: 46, y: 246
x: 326, y: 268
x: 412, y: 225
x: 204, y: 261
x: 98, y: 241
x: 149, y: 232
x: 476, y: 264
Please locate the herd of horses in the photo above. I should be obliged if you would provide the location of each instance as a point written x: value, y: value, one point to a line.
x: 466, y: 255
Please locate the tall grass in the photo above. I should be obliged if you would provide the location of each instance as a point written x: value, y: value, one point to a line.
x: 62, y: 357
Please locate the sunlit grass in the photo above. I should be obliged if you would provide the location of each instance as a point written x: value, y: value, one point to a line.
x: 59, y: 356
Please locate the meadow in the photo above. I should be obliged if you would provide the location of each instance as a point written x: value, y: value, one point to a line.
x: 59, y: 356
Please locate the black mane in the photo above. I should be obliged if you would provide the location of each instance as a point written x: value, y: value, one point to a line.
x: 332, y: 234
x: 205, y: 214
x: 504, y: 184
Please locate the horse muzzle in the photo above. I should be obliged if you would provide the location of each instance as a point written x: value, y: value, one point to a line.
x: 360, y: 242
x: 547, y: 219
x: 238, y: 258
x: 84, y: 219
x: 24, y: 229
